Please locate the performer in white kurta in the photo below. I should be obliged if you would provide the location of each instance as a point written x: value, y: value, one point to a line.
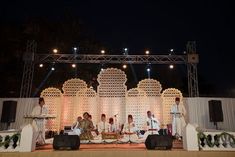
x: 178, y: 112
x: 39, y: 124
x: 103, y: 126
x: 112, y: 126
x: 76, y: 127
x: 153, y: 125
x: 129, y: 131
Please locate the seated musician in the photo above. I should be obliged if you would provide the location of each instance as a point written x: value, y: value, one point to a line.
x: 86, y: 127
x: 76, y: 127
x: 103, y: 126
x: 112, y: 127
x: 94, y: 132
x: 129, y: 130
x: 152, y: 125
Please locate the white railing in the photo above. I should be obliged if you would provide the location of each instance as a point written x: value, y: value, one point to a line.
x: 208, y: 140
x: 17, y: 140
x: 216, y: 140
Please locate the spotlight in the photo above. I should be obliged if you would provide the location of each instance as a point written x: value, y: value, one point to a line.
x: 75, y: 49
x: 55, y: 50
x: 148, y: 69
x: 52, y: 68
x: 102, y: 51
x: 73, y: 65
x: 40, y: 65
x: 171, y: 66
x: 171, y: 50
x: 102, y: 69
x: 124, y: 66
x: 147, y: 52
x: 125, y: 51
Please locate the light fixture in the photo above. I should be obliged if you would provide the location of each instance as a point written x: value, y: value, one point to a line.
x: 147, y: 52
x: 102, y: 51
x: 55, y: 50
x: 171, y: 66
x: 52, y: 68
x: 75, y: 49
x: 40, y: 65
x: 171, y: 50
x: 73, y: 65
x: 124, y: 66
x: 148, y: 69
x: 125, y: 51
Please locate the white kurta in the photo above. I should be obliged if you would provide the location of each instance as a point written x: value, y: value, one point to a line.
x: 103, y: 127
x: 112, y: 128
x: 178, y: 121
x: 39, y: 124
x: 152, y: 123
x: 129, y: 128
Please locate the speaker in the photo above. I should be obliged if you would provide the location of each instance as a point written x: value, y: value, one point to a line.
x: 8, y: 111
x: 215, y: 111
x: 158, y: 142
x: 66, y: 142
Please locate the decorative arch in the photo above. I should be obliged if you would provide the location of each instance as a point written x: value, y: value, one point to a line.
x: 86, y: 101
x: 72, y: 86
x: 151, y: 87
x: 136, y: 106
x: 70, y: 89
x: 112, y: 92
x: 153, y: 90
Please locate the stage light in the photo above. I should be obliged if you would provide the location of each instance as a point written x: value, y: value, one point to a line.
x: 148, y: 69
x: 40, y: 65
x: 52, y: 68
x: 73, y: 65
x: 171, y: 66
x: 75, y: 49
x: 125, y: 51
x: 102, y: 51
x: 171, y: 50
x: 124, y: 66
x: 55, y: 50
x: 102, y: 69
x: 147, y: 52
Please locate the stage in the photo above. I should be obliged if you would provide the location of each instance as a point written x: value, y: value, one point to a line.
x: 117, y: 150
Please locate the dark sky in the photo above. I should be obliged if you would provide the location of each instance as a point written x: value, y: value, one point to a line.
x: 156, y: 25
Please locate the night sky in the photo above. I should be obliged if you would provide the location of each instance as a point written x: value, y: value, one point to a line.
x: 154, y: 25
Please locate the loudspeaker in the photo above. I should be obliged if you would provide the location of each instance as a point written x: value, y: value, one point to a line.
x: 66, y: 142
x: 215, y: 111
x: 158, y: 142
x: 8, y: 111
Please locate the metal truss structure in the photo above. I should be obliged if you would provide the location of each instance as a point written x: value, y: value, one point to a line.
x: 111, y: 59
x: 191, y: 60
x: 27, y: 78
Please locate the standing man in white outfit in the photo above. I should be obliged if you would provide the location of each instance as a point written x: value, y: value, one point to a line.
x: 178, y: 112
x: 39, y: 124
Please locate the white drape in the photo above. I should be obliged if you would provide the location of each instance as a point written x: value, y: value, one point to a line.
x: 197, y: 112
x: 24, y: 107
